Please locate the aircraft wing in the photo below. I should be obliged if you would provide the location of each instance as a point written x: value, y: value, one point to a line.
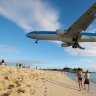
x: 83, y: 22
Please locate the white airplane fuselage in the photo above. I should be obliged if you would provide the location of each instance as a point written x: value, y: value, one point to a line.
x: 46, y: 35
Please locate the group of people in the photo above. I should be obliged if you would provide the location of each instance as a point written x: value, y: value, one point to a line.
x: 21, y: 66
x: 86, y: 79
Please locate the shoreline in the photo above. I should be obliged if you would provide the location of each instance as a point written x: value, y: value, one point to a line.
x: 34, y: 82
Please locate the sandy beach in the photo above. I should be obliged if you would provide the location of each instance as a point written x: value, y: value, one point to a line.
x: 34, y: 82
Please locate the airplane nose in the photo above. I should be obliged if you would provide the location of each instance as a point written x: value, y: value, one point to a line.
x: 28, y: 35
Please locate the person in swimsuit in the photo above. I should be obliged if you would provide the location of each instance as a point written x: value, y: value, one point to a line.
x: 79, y: 74
x: 87, y: 77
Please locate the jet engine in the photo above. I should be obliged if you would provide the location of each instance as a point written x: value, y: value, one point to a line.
x: 65, y: 44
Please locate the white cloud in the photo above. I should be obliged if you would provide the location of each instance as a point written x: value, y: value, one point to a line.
x: 89, y: 64
x: 90, y: 50
x: 30, y: 14
x: 8, y: 49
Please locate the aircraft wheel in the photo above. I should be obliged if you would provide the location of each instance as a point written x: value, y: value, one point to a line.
x: 36, y: 41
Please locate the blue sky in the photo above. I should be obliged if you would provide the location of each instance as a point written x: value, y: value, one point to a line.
x: 17, y: 18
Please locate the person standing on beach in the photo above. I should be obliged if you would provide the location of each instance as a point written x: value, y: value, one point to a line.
x: 20, y: 65
x: 87, y: 77
x: 79, y: 74
x: 2, y: 63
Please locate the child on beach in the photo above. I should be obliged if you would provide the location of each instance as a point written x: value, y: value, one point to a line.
x: 87, y: 77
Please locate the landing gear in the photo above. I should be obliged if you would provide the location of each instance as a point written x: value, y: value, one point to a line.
x: 75, y: 43
x: 36, y: 41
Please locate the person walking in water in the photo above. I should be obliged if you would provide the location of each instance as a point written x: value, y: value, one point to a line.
x: 79, y: 74
x: 86, y: 81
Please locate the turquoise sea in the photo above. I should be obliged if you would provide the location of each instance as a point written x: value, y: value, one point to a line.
x: 74, y: 76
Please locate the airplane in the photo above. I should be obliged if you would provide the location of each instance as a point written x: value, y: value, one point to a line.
x: 73, y: 35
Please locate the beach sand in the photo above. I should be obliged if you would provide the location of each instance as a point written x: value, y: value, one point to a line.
x: 34, y: 82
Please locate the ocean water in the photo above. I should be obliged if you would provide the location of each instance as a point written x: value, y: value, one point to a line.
x: 74, y: 76
x: 93, y: 77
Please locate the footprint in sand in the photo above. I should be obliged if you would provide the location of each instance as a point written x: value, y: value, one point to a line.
x: 33, y: 91
x: 43, y: 81
x: 35, y: 86
x: 17, y: 83
x: 21, y: 91
x: 28, y: 85
x: 6, y: 77
x: 45, y: 94
x: 45, y: 87
x: 10, y: 86
x: 6, y: 94
x: 45, y: 91
x: 43, y: 84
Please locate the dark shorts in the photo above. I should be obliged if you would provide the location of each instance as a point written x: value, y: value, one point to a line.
x: 80, y: 79
x: 86, y: 81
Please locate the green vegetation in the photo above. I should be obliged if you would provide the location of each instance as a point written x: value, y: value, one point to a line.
x: 65, y: 69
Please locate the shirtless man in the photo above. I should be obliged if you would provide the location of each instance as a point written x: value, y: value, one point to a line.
x: 79, y: 74
x: 87, y: 77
